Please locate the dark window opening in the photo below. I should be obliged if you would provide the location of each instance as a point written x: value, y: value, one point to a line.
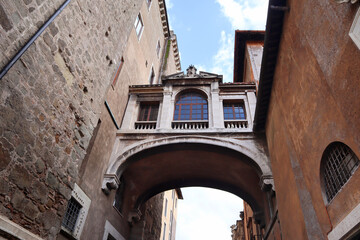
x: 110, y: 237
x: 148, y: 112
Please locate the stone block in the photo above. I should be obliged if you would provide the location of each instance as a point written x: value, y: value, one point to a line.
x: 4, y: 20
x: 50, y: 219
x: 52, y: 181
x: 39, y: 191
x: 4, y: 158
x: 21, y: 177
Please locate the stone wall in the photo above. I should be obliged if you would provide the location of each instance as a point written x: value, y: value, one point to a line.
x: 51, y: 100
x: 314, y: 102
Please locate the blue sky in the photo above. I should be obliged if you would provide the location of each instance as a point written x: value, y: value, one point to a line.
x: 205, y: 30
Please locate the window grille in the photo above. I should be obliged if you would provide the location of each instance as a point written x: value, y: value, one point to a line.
x: 71, y: 215
x: 340, y: 163
x: 234, y: 111
x: 191, y: 106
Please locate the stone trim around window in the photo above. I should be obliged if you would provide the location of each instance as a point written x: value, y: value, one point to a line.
x: 110, y: 230
x: 15, y: 230
x: 79, y: 195
x: 347, y: 225
x: 355, y: 29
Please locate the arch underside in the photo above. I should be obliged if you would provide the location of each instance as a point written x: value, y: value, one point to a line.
x: 156, y: 169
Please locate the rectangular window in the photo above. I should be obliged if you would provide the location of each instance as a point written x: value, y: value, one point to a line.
x: 158, y: 47
x: 118, y: 72
x: 165, y: 210
x: 139, y: 26
x: 164, y: 231
x: 71, y: 215
x: 234, y: 111
x: 148, y: 112
x: 148, y: 3
x: 152, y: 76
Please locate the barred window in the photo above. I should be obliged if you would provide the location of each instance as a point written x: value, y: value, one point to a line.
x: 339, y: 162
x: 71, y: 215
x: 191, y: 106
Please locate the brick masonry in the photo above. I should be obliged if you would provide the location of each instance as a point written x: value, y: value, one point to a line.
x: 50, y: 100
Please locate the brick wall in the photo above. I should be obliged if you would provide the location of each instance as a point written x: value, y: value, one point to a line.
x: 51, y: 100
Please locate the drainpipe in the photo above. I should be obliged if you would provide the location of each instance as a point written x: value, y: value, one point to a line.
x: 32, y: 40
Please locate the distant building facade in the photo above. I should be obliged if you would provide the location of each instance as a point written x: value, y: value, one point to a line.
x: 170, y: 213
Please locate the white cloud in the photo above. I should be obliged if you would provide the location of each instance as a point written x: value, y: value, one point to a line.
x: 169, y: 4
x: 245, y: 14
x: 207, y: 214
x: 223, y: 61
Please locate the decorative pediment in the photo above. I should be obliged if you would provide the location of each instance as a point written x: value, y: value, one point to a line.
x: 191, y: 73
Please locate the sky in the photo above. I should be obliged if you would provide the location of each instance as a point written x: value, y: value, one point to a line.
x: 205, y: 32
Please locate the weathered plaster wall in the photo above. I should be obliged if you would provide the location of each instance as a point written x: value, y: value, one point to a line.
x: 314, y: 102
x: 51, y: 100
x: 139, y: 56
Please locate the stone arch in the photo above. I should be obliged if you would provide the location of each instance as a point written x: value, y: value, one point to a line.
x: 201, y: 90
x: 260, y: 158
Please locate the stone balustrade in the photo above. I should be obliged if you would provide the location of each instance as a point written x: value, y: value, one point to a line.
x: 140, y: 125
x: 236, y: 124
x: 186, y: 125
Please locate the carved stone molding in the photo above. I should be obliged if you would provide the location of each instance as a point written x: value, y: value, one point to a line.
x: 134, y: 216
x: 110, y: 182
x: 267, y: 183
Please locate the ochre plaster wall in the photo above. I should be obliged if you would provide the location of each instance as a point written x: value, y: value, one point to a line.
x: 314, y: 102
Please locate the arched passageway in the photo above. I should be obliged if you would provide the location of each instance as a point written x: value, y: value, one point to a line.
x: 151, y: 167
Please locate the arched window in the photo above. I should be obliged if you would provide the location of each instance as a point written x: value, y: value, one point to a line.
x: 191, y: 106
x: 339, y: 162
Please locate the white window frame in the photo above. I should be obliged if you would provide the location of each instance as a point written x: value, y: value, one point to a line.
x: 139, y: 26
x: 109, y: 229
x: 79, y: 195
x: 355, y: 29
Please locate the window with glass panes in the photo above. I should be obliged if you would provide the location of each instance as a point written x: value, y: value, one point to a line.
x: 191, y: 106
x: 234, y: 111
x: 148, y: 112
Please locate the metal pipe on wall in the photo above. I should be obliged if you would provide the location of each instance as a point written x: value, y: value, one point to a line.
x: 32, y: 40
